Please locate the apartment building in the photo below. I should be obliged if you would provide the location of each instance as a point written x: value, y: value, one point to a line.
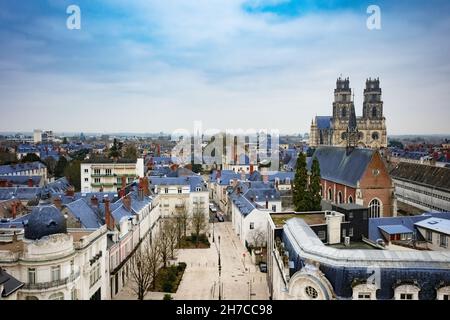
x: 106, y: 175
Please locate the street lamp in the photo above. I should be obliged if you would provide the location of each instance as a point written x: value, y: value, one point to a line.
x: 220, y: 273
x: 213, y: 230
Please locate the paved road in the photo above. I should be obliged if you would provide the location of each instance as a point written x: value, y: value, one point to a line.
x: 201, y: 278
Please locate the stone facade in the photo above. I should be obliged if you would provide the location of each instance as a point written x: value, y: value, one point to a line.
x: 371, y: 127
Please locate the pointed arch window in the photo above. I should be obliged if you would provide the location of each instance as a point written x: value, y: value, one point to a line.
x: 374, y: 208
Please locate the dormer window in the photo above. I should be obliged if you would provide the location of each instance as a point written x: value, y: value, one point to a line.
x: 407, y: 292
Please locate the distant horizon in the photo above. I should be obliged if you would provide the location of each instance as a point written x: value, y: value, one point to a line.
x: 74, y: 133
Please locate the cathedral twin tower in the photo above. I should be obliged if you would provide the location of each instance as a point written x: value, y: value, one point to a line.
x: 343, y: 128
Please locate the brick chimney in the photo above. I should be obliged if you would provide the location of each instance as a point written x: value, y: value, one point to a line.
x: 58, y: 203
x: 14, y: 210
x: 94, y: 201
x: 127, y: 202
x: 30, y: 182
x: 109, y: 220
x: 145, y: 185
x: 252, y: 169
x: 3, y: 183
x: 124, y: 182
x: 70, y: 192
x: 141, y: 189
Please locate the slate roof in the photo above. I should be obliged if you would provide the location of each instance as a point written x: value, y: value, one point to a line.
x: 435, y: 224
x: 243, y: 204
x: 44, y: 221
x: 11, y: 169
x: 22, y: 193
x: 10, y: 284
x: 407, y: 221
x: 338, y: 166
x: 395, y: 229
x: 302, y: 240
x: 22, y: 180
x: 85, y: 214
x: 193, y: 181
x: 282, y: 176
x: 323, y: 122
x: 429, y: 176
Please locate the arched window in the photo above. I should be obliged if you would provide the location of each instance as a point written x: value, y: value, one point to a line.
x: 374, y: 208
x: 340, y: 200
x: 350, y: 199
x: 407, y: 292
x: 330, y: 194
x: 31, y: 298
x: 344, y: 112
x: 57, y: 296
x: 374, y: 112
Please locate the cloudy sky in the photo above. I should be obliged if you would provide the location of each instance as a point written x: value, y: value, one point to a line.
x: 152, y: 65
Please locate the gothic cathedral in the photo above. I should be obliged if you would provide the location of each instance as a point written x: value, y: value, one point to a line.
x: 344, y: 128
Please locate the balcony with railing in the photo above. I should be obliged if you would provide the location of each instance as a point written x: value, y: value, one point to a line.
x: 52, y: 284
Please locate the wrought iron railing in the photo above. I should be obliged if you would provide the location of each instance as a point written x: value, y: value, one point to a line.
x: 51, y: 284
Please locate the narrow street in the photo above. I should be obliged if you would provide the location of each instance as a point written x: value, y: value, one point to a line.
x: 240, y: 279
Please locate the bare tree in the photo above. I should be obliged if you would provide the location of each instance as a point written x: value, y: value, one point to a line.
x: 143, y: 268
x: 154, y: 260
x: 171, y: 232
x: 258, y: 238
x: 198, y: 222
x: 164, y: 243
x: 182, y: 224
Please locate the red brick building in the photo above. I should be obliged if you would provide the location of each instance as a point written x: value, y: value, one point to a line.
x: 356, y: 176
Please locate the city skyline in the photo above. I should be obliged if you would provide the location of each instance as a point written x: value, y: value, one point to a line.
x: 151, y: 66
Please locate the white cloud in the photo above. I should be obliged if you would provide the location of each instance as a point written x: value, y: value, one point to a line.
x: 180, y: 61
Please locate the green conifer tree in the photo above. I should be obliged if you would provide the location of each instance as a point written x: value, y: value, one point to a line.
x: 300, y: 196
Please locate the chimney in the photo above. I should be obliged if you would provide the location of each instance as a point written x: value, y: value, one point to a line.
x: 70, y: 192
x: 219, y: 174
x: 124, y: 182
x: 145, y: 186
x: 242, y: 175
x: 94, y: 201
x: 127, y: 202
x: 30, y: 182
x: 251, y: 169
x: 141, y: 189
x: 109, y: 220
x: 3, y: 183
x: 14, y: 209
x: 267, y: 202
x: 58, y: 203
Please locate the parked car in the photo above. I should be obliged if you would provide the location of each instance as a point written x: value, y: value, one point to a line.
x: 263, y: 267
